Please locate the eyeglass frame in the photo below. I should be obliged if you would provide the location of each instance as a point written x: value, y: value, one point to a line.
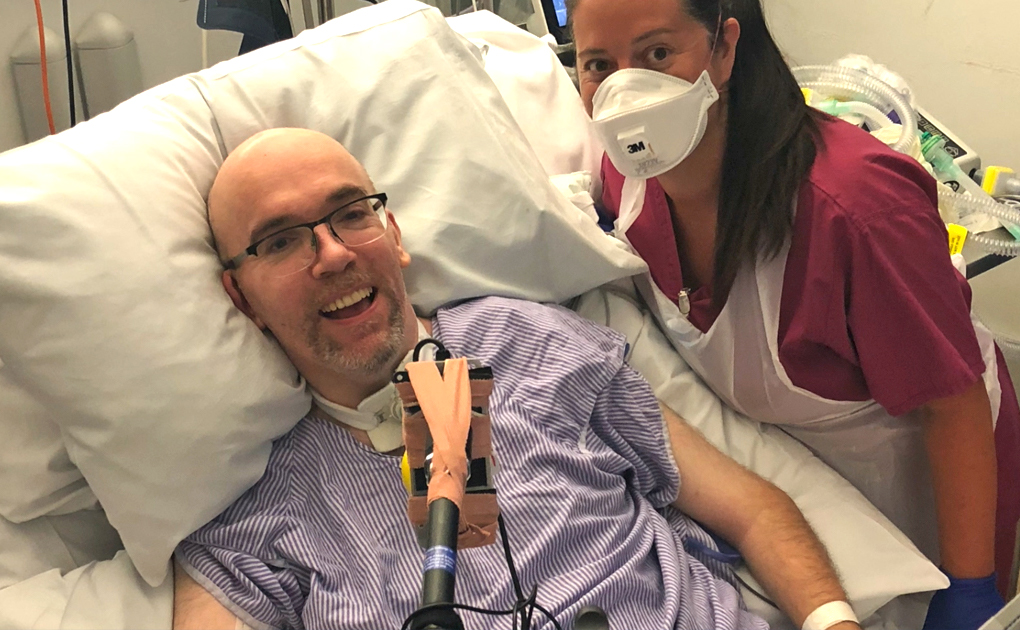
x: 250, y: 251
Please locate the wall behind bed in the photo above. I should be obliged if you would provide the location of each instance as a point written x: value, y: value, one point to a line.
x: 961, y: 58
x: 169, y: 43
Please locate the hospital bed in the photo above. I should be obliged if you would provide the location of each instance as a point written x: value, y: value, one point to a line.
x: 130, y: 383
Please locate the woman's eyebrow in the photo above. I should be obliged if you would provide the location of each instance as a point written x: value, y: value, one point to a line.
x: 590, y: 52
x: 650, y: 34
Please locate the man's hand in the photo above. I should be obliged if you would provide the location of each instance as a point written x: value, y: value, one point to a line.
x: 195, y: 608
x: 760, y: 520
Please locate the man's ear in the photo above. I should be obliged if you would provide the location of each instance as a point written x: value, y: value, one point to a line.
x: 403, y: 256
x: 237, y: 297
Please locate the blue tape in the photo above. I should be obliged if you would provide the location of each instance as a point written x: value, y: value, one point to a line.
x: 441, y: 558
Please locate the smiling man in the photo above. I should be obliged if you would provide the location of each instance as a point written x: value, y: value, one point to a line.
x: 597, y: 484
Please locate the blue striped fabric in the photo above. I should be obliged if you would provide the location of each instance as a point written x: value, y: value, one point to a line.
x: 323, y: 541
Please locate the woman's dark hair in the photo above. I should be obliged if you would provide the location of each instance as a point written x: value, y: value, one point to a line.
x: 771, y: 136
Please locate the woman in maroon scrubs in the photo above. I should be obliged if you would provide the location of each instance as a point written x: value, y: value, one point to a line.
x: 801, y: 268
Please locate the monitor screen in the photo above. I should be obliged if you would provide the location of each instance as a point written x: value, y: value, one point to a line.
x: 561, y: 12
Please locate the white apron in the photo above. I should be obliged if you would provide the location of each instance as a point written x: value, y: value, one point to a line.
x: 884, y: 457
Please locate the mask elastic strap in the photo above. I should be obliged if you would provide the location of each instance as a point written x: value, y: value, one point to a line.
x: 718, y: 32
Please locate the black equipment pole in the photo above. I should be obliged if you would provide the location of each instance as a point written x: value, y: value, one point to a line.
x: 439, y: 580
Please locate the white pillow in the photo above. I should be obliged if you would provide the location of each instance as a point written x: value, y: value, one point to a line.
x: 412, y: 101
x: 113, y: 316
x: 37, y: 475
x: 875, y: 561
x: 538, y: 91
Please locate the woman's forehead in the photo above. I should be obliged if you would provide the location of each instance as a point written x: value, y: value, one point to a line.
x: 598, y: 23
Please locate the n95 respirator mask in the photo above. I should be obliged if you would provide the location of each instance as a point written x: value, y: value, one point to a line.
x: 648, y: 121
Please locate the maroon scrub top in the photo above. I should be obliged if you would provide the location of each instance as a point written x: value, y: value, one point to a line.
x: 872, y: 307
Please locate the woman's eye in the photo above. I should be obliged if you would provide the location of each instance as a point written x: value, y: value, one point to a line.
x: 596, y: 66
x: 657, y: 55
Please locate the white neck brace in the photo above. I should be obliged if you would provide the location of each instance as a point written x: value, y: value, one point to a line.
x: 379, y: 415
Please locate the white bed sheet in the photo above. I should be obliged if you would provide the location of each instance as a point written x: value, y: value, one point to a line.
x: 99, y: 595
x: 69, y: 571
x: 875, y: 561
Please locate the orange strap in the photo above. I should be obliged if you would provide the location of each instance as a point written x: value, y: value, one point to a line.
x: 445, y: 402
x: 45, y: 73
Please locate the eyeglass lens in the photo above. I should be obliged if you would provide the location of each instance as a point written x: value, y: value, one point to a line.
x: 293, y: 250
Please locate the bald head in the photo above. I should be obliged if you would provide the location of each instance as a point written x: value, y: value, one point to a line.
x: 278, y: 172
x: 344, y: 320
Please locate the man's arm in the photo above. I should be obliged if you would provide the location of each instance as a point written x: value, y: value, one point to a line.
x: 195, y: 608
x: 760, y: 520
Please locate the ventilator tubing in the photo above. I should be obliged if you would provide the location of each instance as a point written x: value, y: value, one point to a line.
x: 965, y: 203
x: 848, y: 84
x: 871, y: 114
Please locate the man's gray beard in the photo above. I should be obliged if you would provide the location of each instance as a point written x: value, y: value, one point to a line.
x: 335, y: 356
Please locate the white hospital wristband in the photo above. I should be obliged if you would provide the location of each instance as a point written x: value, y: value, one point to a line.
x: 828, y: 615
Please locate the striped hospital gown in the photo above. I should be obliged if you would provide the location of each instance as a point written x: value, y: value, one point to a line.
x: 323, y: 540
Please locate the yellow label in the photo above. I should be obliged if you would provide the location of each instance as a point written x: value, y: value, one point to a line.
x: 808, y: 93
x: 992, y: 177
x: 957, y: 237
x: 405, y: 472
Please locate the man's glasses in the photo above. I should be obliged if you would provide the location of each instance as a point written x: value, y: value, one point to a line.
x: 293, y: 249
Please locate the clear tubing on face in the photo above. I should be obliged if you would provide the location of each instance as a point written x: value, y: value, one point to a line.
x: 848, y: 84
x: 1004, y: 212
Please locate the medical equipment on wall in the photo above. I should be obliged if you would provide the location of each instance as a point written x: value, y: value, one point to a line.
x: 999, y: 181
x: 963, y: 155
x: 935, y: 151
x: 538, y: 17
x: 262, y: 22
x: 850, y: 89
x: 108, y: 64
x: 850, y: 84
x: 26, y: 64
x: 308, y: 14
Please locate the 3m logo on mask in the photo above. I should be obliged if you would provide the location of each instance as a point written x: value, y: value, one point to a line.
x: 635, y: 145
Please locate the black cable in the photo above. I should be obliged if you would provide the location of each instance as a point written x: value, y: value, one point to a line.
x: 524, y: 608
x: 70, y: 64
x: 755, y: 591
x: 531, y: 601
x: 505, y: 538
x: 549, y: 615
x: 448, y: 606
x: 520, y: 605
